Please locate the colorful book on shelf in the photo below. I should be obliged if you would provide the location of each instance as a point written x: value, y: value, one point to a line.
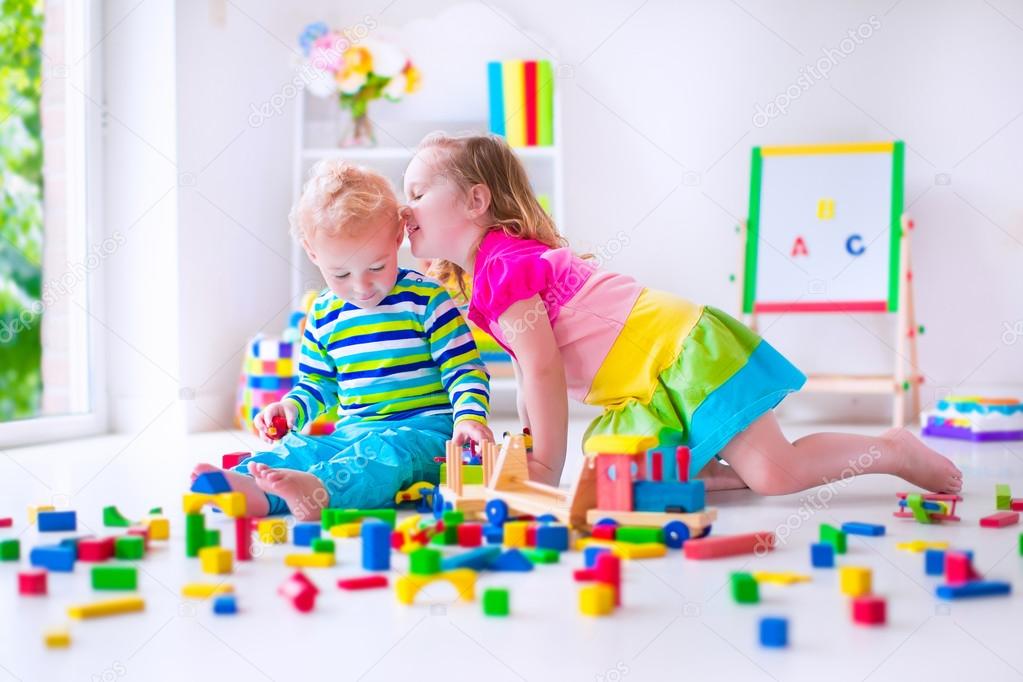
x: 521, y: 95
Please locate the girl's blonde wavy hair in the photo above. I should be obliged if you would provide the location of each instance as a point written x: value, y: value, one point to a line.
x: 340, y: 198
x: 472, y: 159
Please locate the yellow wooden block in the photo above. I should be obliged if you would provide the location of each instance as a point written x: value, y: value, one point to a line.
x: 409, y: 523
x: 854, y: 581
x: 625, y: 550
x: 782, y: 578
x: 205, y: 590
x: 410, y: 547
x: 921, y: 545
x: 273, y: 531
x: 596, y: 600
x: 159, y: 528
x: 33, y: 511
x: 216, y: 560
x: 515, y: 533
x: 618, y: 444
x: 57, y: 637
x: 463, y: 579
x: 346, y: 530
x: 312, y: 560
x: 106, y: 607
x: 232, y: 503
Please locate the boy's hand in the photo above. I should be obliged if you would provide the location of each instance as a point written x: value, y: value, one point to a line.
x: 264, y: 420
x: 471, y: 430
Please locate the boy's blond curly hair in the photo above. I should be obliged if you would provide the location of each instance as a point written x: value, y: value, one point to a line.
x: 340, y: 198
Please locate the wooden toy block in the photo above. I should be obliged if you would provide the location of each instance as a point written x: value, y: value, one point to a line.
x: 347, y: 530
x: 934, y: 561
x: 159, y: 528
x: 32, y: 582
x: 425, y: 561
x: 745, y: 589
x: 143, y: 532
x: 959, y: 567
x: 129, y: 547
x: 53, y: 558
x: 854, y: 581
x: 6, y: 522
x: 869, y: 610
x: 205, y: 590
x: 552, y: 537
x: 607, y: 570
x: 1003, y: 496
x: 303, y: 534
x: 300, y: 591
x: 57, y: 638
x: 1000, y: 519
x: 215, y: 560
x: 638, y: 534
x: 332, y: 517
x: 33, y: 511
x: 273, y: 531
x: 833, y: 537
x: 780, y: 577
x: 774, y: 632
x: 822, y: 555
x: 55, y: 521
x: 453, y: 517
x: 477, y: 559
x: 531, y: 535
x: 323, y: 545
x: 112, y: 518
x: 211, y: 538
x: 211, y: 483
x: 106, y: 607
x: 729, y: 545
x: 590, y: 555
x: 512, y: 560
x: 115, y: 578
x: 858, y: 528
x: 232, y: 504
x: 1016, y: 505
x: 242, y: 538
x: 607, y: 531
x: 542, y: 555
x: 921, y: 545
x: 515, y: 533
x: 278, y: 428
x: 975, y: 588
x: 225, y: 605
x: 495, y: 602
x: 462, y: 579
x: 614, y: 482
x: 10, y: 550
x: 626, y: 550
x: 366, y: 582
x: 232, y: 459
x: 470, y: 535
x: 596, y: 600
x: 668, y: 496
x: 195, y: 533
x: 376, y: 546
x: 312, y: 560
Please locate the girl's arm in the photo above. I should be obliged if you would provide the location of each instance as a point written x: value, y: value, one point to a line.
x: 527, y: 330
x: 520, y: 397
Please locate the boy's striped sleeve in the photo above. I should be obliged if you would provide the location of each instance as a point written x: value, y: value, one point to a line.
x: 463, y: 373
x: 316, y: 391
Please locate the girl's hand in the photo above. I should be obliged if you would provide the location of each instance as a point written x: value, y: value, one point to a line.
x: 264, y: 420
x: 471, y: 430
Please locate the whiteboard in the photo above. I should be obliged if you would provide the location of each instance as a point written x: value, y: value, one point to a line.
x: 824, y: 228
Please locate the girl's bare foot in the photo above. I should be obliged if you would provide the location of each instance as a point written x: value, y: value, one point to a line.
x: 718, y: 476
x: 922, y: 466
x: 303, y: 492
x: 256, y: 503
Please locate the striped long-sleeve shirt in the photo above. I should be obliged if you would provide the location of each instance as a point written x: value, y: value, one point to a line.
x: 410, y: 355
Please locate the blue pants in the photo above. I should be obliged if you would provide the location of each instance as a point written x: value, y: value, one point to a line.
x: 363, y: 464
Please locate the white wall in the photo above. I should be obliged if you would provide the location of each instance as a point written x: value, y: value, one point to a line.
x: 658, y: 102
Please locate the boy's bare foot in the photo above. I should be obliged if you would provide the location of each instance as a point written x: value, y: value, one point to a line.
x: 922, y: 466
x: 303, y: 492
x: 256, y: 503
x: 718, y: 476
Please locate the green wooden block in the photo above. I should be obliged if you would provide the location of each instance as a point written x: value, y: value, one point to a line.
x: 1003, y: 496
x: 10, y: 550
x: 453, y: 518
x: 115, y: 578
x: 333, y: 517
x: 424, y: 561
x: 156, y: 511
x: 495, y: 602
x: 323, y: 545
x: 448, y: 536
x: 129, y: 547
x: 1021, y: 544
x: 195, y: 534
x: 113, y: 518
x: 745, y: 589
x: 542, y: 555
x: 639, y: 534
x: 834, y: 537
x: 211, y: 538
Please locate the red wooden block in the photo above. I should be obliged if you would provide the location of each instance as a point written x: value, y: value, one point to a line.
x: 243, y: 538
x: 869, y: 610
x: 471, y: 535
x: 397, y: 539
x: 729, y: 545
x: 682, y: 462
x: 614, y: 482
x: 605, y: 532
x: 958, y: 568
x: 1015, y: 505
x: 233, y: 459
x: 32, y: 582
x: 365, y: 582
x: 531, y: 535
x: 144, y: 532
x: 656, y: 467
x: 278, y: 428
x: 95, y: 549
x: 607, y: 570
x: 6, y: 522
x: 1000, y: 519
x: 300, y: 591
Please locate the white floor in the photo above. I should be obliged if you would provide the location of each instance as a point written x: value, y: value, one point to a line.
x: 678, y: 619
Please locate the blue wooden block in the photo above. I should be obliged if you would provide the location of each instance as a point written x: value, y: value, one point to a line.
x: 822, y: 555
x: 56, y: 521
x: 934, y: 561
x: 654, y: 496
x: 858, y: 528
x: 974, y: 588
x: 53, y: 558
x: 211, y: 483
x: 477, y: 559
x: 774, y: 632
x: 303, y: 534
x: 225, y: 605
x: 512, y: 560
x: 929, y: 506
x: 376, y: 545
x: 590, y: 555
x: 493, y: 534
x: 552, y: 537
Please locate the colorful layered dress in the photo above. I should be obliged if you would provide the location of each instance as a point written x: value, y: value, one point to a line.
x: 658, y: 364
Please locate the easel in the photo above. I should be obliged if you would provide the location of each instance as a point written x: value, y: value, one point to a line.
x: 906, y: 377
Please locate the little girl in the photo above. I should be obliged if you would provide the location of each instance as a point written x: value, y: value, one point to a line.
x: 658, y: 364
x: 383, y: 346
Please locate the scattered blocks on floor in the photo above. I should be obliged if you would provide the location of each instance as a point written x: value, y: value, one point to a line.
x: 959, y: 567
x: 470, y: 535
x: 225, y: 605
x: 6, y: 522
x: 112, y: 518
x: 515, y: 533
x: 869, y: 610
x: 607, y: 571
x: 272, y: 531
x: 347, y: 530
x: 55, y: 521
x: 129, y: 547
x: 376, y: 546
x: 425, y: 561
x: 511, y: 560
x: 934, y: 561
x: 495, y: 602
x: 232, y: 459
x: 211, y: 483
x: 745, y: 589
x: 106, y: 607
x: 33, y: 511
x: 596, y: 600
x: 232, y: 504
x: 975, y: 588
x: 774, y: 632
x: 115, y: 578
x: 462, y: 579
x: 159, y: 528
x: 542, y: 556
x: 822, y: 555
x: 53, y: 558
x: 32, y: 582
x: 780, y: 577
x: 311, y: 560
x: 205, y: 590
x: 216, y: 560
x: 366, y: 582
x: 854, y: 581
x: 477, y: 559
x: 1003, y: 496
x: 552, y: 537
x: 590, y: 554
x: 303, y: 534
x: 323, y: 546
x: 998, y: 520
x: 729, y: 545
x: 333, y: 517
x: 57, y: 638
x: 10, y: 550
x: 921, y: 545
x: 858, y: 528
x: 299, y: 591
x: 833, y: 537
